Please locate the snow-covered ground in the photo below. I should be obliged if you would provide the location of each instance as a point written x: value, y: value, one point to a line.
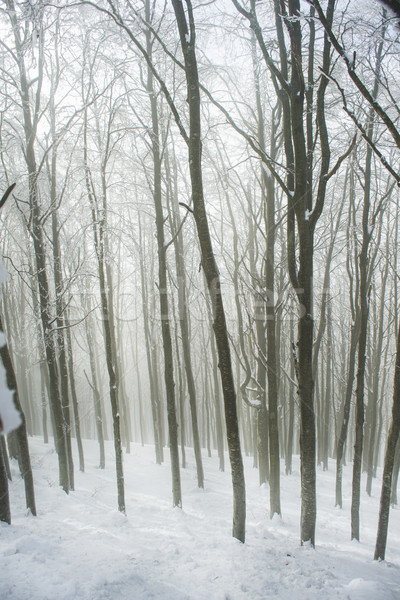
x: 80, y: 547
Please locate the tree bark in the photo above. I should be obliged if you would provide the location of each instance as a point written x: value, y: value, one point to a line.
x: 162, y: 281
x: 30, y: 123
x: 364, y: 312
x: 380, y: 547
x: 24, y: 460
x: 98, y: 235
x: 184, y: 323
x: 187, y: 38
x: 5, y: 512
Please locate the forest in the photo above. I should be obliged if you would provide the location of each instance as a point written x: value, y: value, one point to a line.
x: 200, y: 233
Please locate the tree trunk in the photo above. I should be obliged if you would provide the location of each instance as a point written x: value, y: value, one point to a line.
x: 151, y: 366
x: 59, y: 334
x: 396, y: 469
x: 364, y: 311
x: 30, y: 122
x: 5, y: 512
x: 91, y: 345
x: 290, y: 432
x: 187, y: 37
x: 392, y: 442
x: 98, y: 234
x: 75, y: 403
x: 185, y: 326
x: 217, y: 404
x: 374, y: 398
x: 20, y: 433
x: 162, y: 282
x: 5, y: 457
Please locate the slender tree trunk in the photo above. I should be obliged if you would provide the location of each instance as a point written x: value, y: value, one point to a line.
x: 162, y: 283
x: 217, y: 404
x: 328, y: 389
x: 187, y: 36
x: 5, y: 457
x: 263, y: 298
x: 75, y: 403
x: 151, y: 366
x: 396, y: 470
x: 392, y: 442
x: 290, y: 434
x: 268, y: 192
x: 98, y: 234
x: 185, y: 329
x: 44, y: 376
x: 21, y: 436
x: 59, y: 334
x: 364, y: 312
x: 139, y: 386
x: 376, y: 362
x: 362, y: 342
x: 181, y: 394
x: 110, y: 360
x: 272, y: 365
x: 91, y: 345
x: 5, y: 512
x: 354, y: 336
x: 30, y: 123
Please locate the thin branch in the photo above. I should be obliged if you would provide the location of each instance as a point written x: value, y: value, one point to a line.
x: 6, y: 194
x: 357, y: 81
x: 364, y: 133
x: 341, y: 159
x: 172, y: 240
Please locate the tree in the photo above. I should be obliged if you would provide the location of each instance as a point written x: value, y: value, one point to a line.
x: 98, y: 209
x: 187, y: 33
x: 392, y: 441
x: 303, y: 210
x: 368, y: 222
x: 31, y: 116
x: 193, y: 140
x: 183, y: 314
x: 162, y: 276
x: 24, y: 460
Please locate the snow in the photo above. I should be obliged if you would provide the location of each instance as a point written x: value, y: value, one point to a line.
x: 80, y: 547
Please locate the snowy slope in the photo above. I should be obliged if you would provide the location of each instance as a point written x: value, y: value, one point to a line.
x: 81, y: 548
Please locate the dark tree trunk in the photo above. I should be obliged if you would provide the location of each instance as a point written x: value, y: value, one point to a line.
x: 187, y: 37
x: 185, y: 326
x: 5, y: 457
x: 392, y: 442
x: 59, y: 334
x: 21, y: 436
x: 75, y: 403
x: 341, y: 442
x: 98, y: 226
x: 364, y: 312
x: 396, y: 469
x: 374, y: 393
x: 91, y: 344
x: 5, y: 512
x: 290, y: 432
x: 151, y: 366
x: 162, y: 282
x: 217, y: 404
x: 30, y: 122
